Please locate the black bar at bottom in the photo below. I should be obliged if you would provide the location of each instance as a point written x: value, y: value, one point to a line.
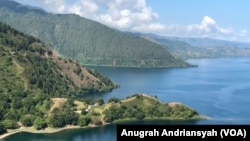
x: 187, y: 132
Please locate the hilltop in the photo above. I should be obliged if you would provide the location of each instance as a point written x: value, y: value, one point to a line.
x: 71, y: 114
x: 87, y: 41
x: 142, y: 106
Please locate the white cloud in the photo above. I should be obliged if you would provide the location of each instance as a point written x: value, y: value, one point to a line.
x: 244, y: 32
x: 85, y: 8
x: 89, y: 6
x: 132, y: 15
x: 152, y: 27
x: 57, y: 6
x: 136, y: 15
x: 208, y: 27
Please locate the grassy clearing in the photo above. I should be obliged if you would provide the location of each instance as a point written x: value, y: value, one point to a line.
x: 57, y: 103
x: 80, y: 105
x: 20, y: 70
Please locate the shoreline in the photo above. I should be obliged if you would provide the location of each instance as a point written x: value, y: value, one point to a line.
x: 50, y: 130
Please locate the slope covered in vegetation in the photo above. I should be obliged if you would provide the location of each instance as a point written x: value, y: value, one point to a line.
x: 83, y: 113
x: 141, y: 106
x: 85, y: 40
x: 38, y: 90
x: 31, y: 74
x: 27, y: 63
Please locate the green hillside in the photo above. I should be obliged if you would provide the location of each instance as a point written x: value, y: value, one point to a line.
x: 28, y: 65
x: 39, y: 90
x: 141, y: 106
x: 89, y: 42
x: 31, y: 74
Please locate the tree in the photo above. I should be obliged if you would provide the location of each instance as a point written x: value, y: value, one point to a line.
x: 114, y: 113
x: 84, y: 111
x: 83, y: 121
x: 12, y: 115
x: 1, y: 114
x: 140, y: 115
x: 78, y: 70
x: 39, y: 123
x: 70, y: 117
x: 50, y: 53
x: 100, y: 101
x: 70, y: 102
x: 26, y: 120
x: 10, y: 124
x: 108, y: 118
x: 57, y: 121
x: 89, y: 100
x: 114, y: 99
x: 2, y: 129
x: 95, y: 121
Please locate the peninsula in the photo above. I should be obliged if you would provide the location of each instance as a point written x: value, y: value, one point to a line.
x: 40, y: 91
x: 86, y: 113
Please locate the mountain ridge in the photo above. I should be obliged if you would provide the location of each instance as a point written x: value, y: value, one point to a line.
x: 86, y: 40
x: 33, y: 64
x: 190, y: 48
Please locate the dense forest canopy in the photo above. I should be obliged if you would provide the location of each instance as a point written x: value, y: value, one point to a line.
x: 31, y: 74
x: 85, y: 40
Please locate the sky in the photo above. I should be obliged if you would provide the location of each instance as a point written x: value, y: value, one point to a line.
x: 220, y: 19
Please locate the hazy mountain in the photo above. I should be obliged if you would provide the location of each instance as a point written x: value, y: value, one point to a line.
x: 205, y: 42
x: 89, y: 42
x: 200, y: 47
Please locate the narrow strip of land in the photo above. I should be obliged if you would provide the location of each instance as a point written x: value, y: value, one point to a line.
x: 32, y: 130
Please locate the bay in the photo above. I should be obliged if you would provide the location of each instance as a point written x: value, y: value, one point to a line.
x: 218, y: 88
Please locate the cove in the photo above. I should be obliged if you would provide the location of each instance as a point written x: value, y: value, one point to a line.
x: 218, y: 88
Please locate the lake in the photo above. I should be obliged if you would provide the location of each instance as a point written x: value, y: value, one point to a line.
x: 218, y: 88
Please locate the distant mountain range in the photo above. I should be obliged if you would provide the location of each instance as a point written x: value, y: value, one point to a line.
x: 87, y: 41
x: 199, y: 47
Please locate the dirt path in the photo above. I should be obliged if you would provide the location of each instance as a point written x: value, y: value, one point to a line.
x: 57, y: 103
x: 20, y: 70
x: 129, y: 99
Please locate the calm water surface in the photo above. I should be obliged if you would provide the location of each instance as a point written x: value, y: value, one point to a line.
x: 218, y: 88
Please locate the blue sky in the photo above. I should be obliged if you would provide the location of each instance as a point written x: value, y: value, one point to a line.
x: 221, y: 19
x: 226, y: 12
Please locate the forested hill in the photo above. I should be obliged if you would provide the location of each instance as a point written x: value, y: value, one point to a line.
x: 85, y: 40
x: 28, y: 66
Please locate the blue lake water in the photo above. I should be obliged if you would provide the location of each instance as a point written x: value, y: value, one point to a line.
x: 219, y: 88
